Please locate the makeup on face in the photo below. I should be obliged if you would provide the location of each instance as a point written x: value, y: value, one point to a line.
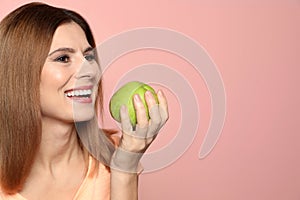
x: 70, y: 76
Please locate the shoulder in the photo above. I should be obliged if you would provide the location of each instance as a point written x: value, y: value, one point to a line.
x: 96, y: 184
x: 4, y: 196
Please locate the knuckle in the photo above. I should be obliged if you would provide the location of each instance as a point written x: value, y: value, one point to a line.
x: 156, y: 121
x: 142, y: 123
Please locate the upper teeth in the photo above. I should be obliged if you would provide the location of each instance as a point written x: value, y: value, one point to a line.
x: 79, y: 93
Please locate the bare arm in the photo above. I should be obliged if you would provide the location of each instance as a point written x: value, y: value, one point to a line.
x: 125, y: 161
x: 124, y: 186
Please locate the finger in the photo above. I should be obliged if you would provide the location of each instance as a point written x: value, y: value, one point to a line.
x: 163, y: 106
x: 153, y: 108
x: 150, y: 100
x: 155, y: 121
x: 125, y: 120
x: 140, y: 110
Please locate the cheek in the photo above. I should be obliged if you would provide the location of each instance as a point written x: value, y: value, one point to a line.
x: 51, y: 94
x: 51, y: 82
x: 51, y: 77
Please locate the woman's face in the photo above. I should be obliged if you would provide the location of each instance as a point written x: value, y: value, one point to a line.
x: 70, y: 76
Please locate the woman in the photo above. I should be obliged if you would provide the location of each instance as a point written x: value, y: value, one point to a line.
x: 50, y: 93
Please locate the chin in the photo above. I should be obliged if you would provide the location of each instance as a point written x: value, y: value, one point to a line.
x: 83, y: 114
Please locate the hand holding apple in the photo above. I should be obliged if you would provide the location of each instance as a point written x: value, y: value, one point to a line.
x: 124, y: 96
x: 145, y: 115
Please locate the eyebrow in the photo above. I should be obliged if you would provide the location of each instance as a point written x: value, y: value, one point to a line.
x: 88, y: 49
x: 69, y: 50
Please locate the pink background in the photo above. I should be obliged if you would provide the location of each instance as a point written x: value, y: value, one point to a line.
x: 256, y: 46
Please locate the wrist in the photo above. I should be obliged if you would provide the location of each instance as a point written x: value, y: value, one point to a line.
x: 125, y: 161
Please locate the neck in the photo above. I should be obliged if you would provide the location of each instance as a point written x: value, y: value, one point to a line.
x: 59, y: 145
x: 60, y: 161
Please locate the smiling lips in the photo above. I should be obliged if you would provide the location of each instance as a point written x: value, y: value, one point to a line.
x: 80, y: 94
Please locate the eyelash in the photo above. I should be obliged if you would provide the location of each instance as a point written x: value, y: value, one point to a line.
x: 90, y: 57
x: 63, y: 59
x: 66, y: 58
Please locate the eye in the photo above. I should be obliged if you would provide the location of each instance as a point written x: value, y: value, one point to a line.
x: 63, y: 59
x: 90, y: 57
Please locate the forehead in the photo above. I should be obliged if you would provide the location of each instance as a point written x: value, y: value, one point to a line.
x: 69, y: 35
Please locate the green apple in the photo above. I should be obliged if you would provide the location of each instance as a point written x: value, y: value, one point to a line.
x: 124, y: 96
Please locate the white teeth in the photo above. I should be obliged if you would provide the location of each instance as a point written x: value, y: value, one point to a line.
x: 79, y: 93
x: 88, y: 92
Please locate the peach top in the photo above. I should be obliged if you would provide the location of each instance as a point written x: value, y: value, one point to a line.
x: 95, y: 186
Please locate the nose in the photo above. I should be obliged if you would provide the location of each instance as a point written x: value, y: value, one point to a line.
x: 88, y: 70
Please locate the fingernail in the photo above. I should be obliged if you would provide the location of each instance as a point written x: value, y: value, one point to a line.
x: 148, y: 93
x: 159, y: 93
x: 136, y: 97
x: 123, y: 108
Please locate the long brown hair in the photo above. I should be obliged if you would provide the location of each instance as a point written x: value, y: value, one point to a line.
x: 25, y: 39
